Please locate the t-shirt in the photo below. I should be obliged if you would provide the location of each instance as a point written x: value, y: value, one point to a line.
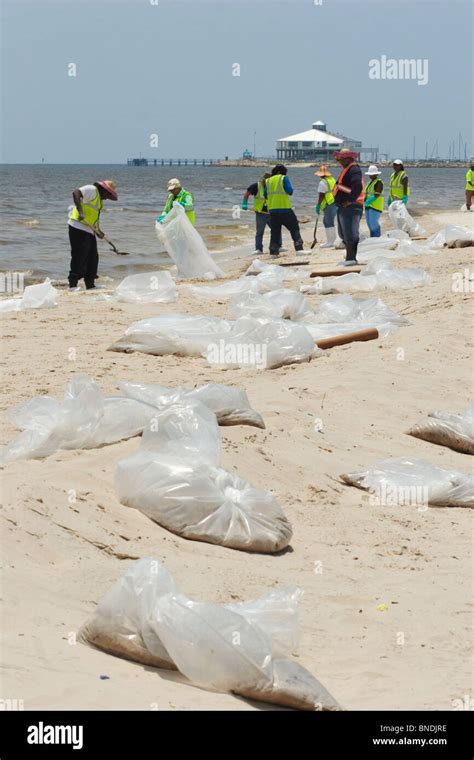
x: 323, y: 186
x: 89, y: 192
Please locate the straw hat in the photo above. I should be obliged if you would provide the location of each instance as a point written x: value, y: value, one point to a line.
x: 323, y: 171
x: 110, y: 186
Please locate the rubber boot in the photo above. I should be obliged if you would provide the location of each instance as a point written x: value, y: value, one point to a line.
x: 330, y: 237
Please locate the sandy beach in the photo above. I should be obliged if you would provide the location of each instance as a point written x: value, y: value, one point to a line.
x: 61, y: 555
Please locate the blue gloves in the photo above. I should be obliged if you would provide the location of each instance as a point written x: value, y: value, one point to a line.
x: 369, y: 200
x: 161, y: 218
x: 318, y: 209
x: 389, y: 200
x: 404, y: 199
x: 244, y: 204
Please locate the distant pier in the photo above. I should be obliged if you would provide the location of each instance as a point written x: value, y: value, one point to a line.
x: 172, y: 161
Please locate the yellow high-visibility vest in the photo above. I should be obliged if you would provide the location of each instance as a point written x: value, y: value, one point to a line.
x: 470, y: 179
x: 377, y: 204
x: 328, y: 197
x: 396, y: 187
x: 185, y: 199
x: 277, y: 198
x: 91, y: 211
x: 259, y: 200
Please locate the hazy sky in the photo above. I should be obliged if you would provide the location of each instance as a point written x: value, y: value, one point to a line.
x: 167, y: 69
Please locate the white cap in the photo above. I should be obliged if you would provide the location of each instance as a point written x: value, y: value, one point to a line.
x: 173, y: 183
x: 373, y: 170
x: 398, y: 161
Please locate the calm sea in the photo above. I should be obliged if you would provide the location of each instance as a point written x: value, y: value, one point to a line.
x: 34, y: 202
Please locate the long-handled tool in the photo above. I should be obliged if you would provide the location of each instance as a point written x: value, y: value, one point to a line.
x: 113, y: 247
x: 315, y: 232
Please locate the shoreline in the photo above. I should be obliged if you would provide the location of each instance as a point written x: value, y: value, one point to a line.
x: 62, y: 553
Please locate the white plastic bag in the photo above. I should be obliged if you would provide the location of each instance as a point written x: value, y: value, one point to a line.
x: 184, y: 430
x: 230, y: 405
x: 261, y: 344
x: 42, y: 296
x: 397, y: 235
x: 343, y: 314
x: 224, y: 647
x: 402, y: 220
x: 147, y: 287
x: 174, y: 480
x: 275, y: 271
x: 268, y: 277
x: 202, y: 502
x: 277, y: 304
x: 224, y: 290
x: 247, y: 342
x: 120, y: 623
x: 384, y: 242
x: 276, y: 613
x: 414, y: 482
x: 86, y: 419
x: 453, y: 430
x: 179, y: 334
x: 370, y: 312
x: 377, y: 275
x: 186, y: 247
x: 448, y: 235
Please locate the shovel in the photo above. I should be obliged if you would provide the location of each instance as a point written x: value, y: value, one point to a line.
x: 113, y: 247
x: 315, y: 233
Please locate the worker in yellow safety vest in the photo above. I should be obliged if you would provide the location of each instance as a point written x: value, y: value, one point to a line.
x: 278, y: 191
x: 326, y: 204
x: 262, y: 215
x: 84, y: 230
x: 177, y: 194
x: 399, y: 186
x: 373, y: 200
x: 469, y: 185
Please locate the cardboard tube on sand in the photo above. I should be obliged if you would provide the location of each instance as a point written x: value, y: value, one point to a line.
x: 369, y: 333
x: 336, y: 272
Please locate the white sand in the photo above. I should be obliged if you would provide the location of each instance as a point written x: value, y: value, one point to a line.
x: 59, y: 558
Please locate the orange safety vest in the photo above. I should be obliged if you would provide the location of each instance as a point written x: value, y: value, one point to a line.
x: 343, y: 188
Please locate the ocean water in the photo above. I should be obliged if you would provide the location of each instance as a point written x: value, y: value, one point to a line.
x: 34, y: 200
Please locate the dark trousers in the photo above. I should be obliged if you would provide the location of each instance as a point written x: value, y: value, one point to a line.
x: 348, y: 221
x: 84, y: 257
x: 261, y: 221
x: 285, y: 218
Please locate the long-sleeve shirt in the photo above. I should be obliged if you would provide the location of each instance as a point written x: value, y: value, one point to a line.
x: 352, y: 179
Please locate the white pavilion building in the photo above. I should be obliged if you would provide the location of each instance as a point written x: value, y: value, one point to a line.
x: 315, y: 144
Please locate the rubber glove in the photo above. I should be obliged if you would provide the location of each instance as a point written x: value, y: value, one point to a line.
x: 318, y: 209
x: 404, y: 199
x: 369, y: 200
x: 244, y: 204
x: 160, y: 219
x: 389, y: 200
